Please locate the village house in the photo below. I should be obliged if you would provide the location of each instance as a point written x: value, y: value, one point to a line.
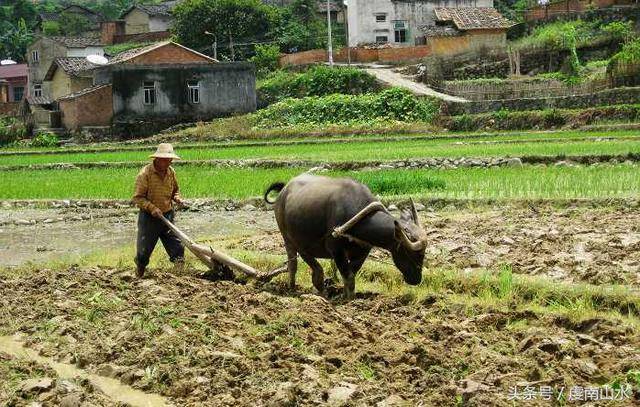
x: 69, y: 75
x: 91, y: 17
x: 143, y: 18
x: 13, y: 82
x: 466, y: 29
x: 43, y: 53
x: 397, y: 22
x: 146, y: 89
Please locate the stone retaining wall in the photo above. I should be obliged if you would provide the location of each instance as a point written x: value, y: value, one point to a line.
x: 426, y: 163
x: 617, y: 96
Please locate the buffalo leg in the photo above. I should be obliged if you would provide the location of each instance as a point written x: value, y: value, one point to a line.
x: 348, y: 276
x: 317, y: 274
x: 292, y: 265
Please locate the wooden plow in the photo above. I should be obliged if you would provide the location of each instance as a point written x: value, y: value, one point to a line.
x: 213, y: 258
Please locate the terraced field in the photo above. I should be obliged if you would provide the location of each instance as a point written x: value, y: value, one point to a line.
x: 530, y: 279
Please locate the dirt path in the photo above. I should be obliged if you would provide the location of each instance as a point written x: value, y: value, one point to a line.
x: 388, y: 76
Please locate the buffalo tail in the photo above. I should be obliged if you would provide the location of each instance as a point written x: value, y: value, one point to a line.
x: 276, y: 186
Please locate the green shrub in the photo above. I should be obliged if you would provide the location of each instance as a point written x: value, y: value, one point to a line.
x: 620, y: 30
x: 10, y: 130
x: 629, y: 54
x: 44, y: 139
x: 553, y: 118
x: 393, y: 104
x: 317, y: 81
x: 266, y: 59
x: 51, y: 28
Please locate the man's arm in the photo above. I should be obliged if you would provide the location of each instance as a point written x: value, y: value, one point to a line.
x: 176, y: 191
x: 140, y: 195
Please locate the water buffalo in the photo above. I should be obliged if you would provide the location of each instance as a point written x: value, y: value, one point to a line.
x: 310, y: 207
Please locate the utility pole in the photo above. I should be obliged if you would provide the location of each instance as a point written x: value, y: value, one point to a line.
x: 215, y: 44
x: 329, y: 30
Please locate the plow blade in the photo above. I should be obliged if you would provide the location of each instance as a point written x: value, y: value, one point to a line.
x: 210, y: 257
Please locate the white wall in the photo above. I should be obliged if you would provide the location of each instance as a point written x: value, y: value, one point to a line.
x: 363, y: 28
x: 83, y: 52
x: 159, y: 23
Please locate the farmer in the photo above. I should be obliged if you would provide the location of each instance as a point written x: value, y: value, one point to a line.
x: 156, y: 189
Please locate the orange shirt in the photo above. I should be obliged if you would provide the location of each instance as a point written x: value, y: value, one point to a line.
x: 155, y: 191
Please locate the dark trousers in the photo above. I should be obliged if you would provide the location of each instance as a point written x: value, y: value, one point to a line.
x: 151, y: 229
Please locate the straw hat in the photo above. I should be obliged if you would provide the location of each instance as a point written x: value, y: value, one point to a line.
x: 165, y: 150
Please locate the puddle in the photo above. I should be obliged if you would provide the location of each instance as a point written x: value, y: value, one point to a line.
x: 110, y: 387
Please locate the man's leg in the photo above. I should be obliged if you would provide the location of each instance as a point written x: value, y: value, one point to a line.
x: 148, y: 233
x: 171, y: 243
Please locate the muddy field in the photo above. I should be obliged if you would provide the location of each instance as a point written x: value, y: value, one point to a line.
x: 220, y: 343
x: 594, y: 245
x: 193, y: 342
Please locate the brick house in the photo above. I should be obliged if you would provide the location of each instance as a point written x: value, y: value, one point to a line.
x: 466, y: 29
x: 13, y: 82
x: 146, y: 89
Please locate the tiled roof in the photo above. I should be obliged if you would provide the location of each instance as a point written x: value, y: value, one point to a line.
x: 49, y: 16
x: 88, y: 13
x: 38, y: 100
x: 162, y: 9
x: 73, y: 66
x: 439, y: 31
x: 77, y: 42
x: 83, y: 92
x: 13, y: 71
x: 473, y: 18
x: 132, y: 53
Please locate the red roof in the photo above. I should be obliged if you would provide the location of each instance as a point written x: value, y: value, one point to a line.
x: 13, y: 71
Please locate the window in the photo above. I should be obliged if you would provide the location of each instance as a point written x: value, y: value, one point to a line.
x: 37, y: 90
x: 400, y: 31
x: 34, y: 56
x: 18, y: 93
x: 194, y: 91
x: 381, y: 39
x: 149, y: 92
x: 381, y: 18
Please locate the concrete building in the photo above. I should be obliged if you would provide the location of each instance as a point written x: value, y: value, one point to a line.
x: 398, y: 22
x: 146, y: 89
x: 182, y: 93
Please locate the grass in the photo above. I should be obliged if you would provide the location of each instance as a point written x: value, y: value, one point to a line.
x: 532, y: 144
x: 611, y: 181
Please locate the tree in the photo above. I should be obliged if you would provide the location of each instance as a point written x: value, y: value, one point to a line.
x: 23, y: 10
x: 73, y: 24
x: 14, y: 40
x: 232, y: 20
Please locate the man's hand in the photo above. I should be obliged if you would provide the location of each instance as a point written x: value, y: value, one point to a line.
x: 182, y: 204
x: 157, y: 213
